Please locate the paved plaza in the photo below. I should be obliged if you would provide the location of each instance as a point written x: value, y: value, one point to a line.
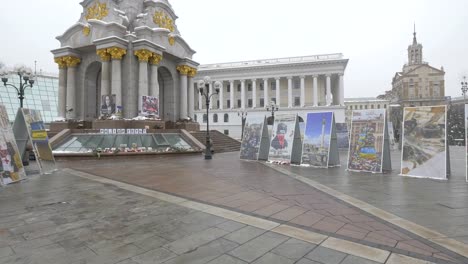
x: 183, y: 209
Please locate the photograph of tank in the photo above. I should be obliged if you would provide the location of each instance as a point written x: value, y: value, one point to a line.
x: 282, y: 138
x: 316, y: 146
x: 252, y: 136
x: 424, y: 142
x: 342, y: 135
x: 366, y: 140
x: 11, y: 166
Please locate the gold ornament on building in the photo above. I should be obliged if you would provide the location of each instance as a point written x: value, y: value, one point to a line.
x: 116, y: 53
x: 103, y: 54
x: 61, y: 62
x: 143, y: 55
x: 183, y: 69
x: 86, y: 31
x: 163, y: 20
x: 171, y: 40
x: 97, y: 11
x: 71, y: 61
x: 192, y: 72
x: 155, y: 59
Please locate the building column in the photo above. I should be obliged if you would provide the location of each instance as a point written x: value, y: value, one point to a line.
x: 105, y: 73
x: 62, y: 89
x: 290, y: 99
x: 210, y: 90
x: 315, y: 89
x: 200, y: 101
x: 341, y: 89
x: 242, y: 94
x: 144, y: 56
x: 183, y: 70
x: 329, y: 97
x: 254, y: 93
x: 278, y: 92
x: 116, y: 82
x: 231, y: 83
x: 71, y: 62
x: 302, y: 91
x: 191, y: 92
x: 154, y: 84
x: 221, y: 96
x: 266, y: 99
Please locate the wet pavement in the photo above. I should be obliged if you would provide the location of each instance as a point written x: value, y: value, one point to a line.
x: 257, y: 190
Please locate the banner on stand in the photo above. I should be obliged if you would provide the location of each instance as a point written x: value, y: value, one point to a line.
x: 367, y: 140
x: 253, y: 134
x: 425, y: 151
x: 466, y: 140
x: 282, y: 138
x: 391, y: 135
x: 342, y: 135
x: 11, y: 165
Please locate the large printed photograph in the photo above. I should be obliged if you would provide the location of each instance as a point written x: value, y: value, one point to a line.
x: 466, y: 140
x: 316, y: 146
x: 282, y: 138
x: 150, y: 106
x: 252, y: 137
x: 11, y: 166
x: 108, y: 107
x: 366, y: 140
x: 424, y: 142
x: 342, y: 135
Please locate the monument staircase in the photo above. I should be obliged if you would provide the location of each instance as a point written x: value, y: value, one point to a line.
x: 221, y: 143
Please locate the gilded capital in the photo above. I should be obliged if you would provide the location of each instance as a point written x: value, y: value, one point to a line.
x: 71, y: 61
x: 103, y: 54
x: 116, y: 53
x: 183, y: 69
x: 61, y: 62
x: 192, y: 72
x: 143, y: 55
x: 155, y: 59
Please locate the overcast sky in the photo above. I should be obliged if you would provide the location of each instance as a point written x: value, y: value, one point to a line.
x: 372, y: 34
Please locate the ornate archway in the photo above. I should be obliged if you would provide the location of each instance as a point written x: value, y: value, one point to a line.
x: 92, y: 90
x: 166, y: 94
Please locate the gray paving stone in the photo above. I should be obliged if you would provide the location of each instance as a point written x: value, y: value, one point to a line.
x: 293, y: 249
x: 245, y: 234
x: 194, y: 241
x: 114, y: 256
x: 270, y: 258
x: 307, y: 261
x: 154, y: 256
x: 5, y: 252
x: 357, y: 260
x: 205, y: 253
x: 258, y: 246
x: 29, y: 245
x: 325, y: 255
x: 226, y: 259
x: 231, y: 226
x: 151, y: 243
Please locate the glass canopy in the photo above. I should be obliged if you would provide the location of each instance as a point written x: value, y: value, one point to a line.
x: 111, y: 143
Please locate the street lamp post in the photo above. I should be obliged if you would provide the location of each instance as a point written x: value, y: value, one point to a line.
x: 204, y: 89
x: 243, y: 114
x: 273, y: 108
x: 25, y: 82
x: 464, y: 88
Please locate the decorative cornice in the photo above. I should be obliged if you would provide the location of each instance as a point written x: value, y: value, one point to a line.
x: 97, y: 11
x: 116, y: 52
x: 183, y: 69
x: 103, y: 54
x: 192, y: 72
x: 71, y: 61
x: 61, y: 62
x: 155, y: 59
x: 143, y: 55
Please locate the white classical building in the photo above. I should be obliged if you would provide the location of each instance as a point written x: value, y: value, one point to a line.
x: 297, y: 85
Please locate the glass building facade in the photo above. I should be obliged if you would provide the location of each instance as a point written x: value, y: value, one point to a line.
x: 42, y: 97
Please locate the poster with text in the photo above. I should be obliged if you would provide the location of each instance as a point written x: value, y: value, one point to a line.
x: 316, y: 144
x: 424, y: 142
x: 342, y: 135
x: 108, y: 105
x: 366, y: 140
x: 150, y: 106
x: 11, y: 165
x: 40, y: 140
x: 252, y: 136
x: 282, y: 136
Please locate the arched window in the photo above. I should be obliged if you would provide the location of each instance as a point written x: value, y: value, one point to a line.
x: 226, y: 118
x: 195, y: 118
x: 378, y: 106
x: 204, y: 118
x: 372, y: 106
x: 215, y: 118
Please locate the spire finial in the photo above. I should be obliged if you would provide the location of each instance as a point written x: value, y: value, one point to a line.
x: 414, y: 35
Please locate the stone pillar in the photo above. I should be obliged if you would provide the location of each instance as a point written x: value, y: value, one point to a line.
x: 71, y: 62
x: 254, y: 93
x: 183, y: 70
x: 266, y: 99
x: 231, y: 83
x: 329, y: 97
x: 144, y: 56
x: 302, y: 91
x: 242, y: 94
x: 105, y: 73
x: 154, y: 84
x: 200, y: 101
x: 62, y: 89
x: 315, y: 89
x: 191, y: 92
x: 278, y: 92
x: 221, y: 96
x: 290, y: 99
x: 341, y: 85
x: 210, y: 90
x: 116, y: 55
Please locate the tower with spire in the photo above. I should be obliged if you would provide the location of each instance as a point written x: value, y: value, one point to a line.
x: 415, y: 51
